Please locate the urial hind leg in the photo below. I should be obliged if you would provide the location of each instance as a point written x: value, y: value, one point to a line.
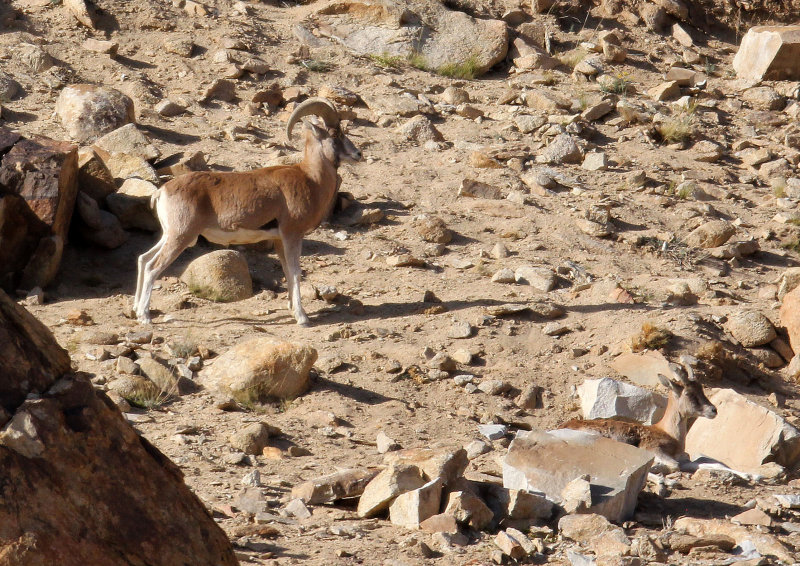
x: 153, y: 269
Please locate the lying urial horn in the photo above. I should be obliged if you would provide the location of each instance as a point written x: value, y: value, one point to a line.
x: 321, y: 107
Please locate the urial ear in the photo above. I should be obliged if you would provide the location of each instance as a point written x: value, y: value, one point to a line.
x: 676, y: 388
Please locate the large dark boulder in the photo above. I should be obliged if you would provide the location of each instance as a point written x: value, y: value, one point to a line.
x: 41, y: 175
x: 78, y: 485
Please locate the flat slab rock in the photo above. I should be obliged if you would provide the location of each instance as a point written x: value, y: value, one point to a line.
x: 546, y: 462
x: 744, y: 435
x: 642, y: 369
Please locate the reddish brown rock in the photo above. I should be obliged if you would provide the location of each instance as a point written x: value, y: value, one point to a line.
x: 80, y: 485
x: 40, y: 175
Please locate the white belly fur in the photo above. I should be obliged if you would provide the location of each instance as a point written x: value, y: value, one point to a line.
x: 242, y: 236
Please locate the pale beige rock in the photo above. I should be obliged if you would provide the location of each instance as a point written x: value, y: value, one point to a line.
x: 769, y: 53
x: 441, y: 523
x: 665, y: 91
x: 576, y: 497
x: 546, y: 462
x: 88, y: 111
x: 220, y: 275
x: 469, y: 509
x: 343, y: 484
x: 251, y: 439
x: 519, y: 504
x: 101, y: 46
x: 541, y: 278
x: 711, y: 234
x: 788, y: 280
x: 82, y: 11
x: 642, y: 368
x: 131, y: 204
x: 261, y: 368
x: 411, y: 508
x: 562, y: 149
x: 765, y: 544
x: 388, y: 484
x: 445, y: 463
x: 681, y: 35
x: 790, y: 316
x: 123, y: 166
x: 744, y: 435
x: 510, y: 545
x: 129, y: 140
x: 750, y: 328
x: 584, y: 528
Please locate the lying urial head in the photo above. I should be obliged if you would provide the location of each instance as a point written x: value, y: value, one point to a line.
x: 324, y: 132
x: 687, y: 392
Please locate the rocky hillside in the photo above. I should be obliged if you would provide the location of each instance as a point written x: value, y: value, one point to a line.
x: 555, y: 201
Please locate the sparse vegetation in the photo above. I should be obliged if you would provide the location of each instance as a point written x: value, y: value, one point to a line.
x: 317, y: 65
x: 619, y: 85
x: 149, y: 396
x: 583, y: 101
x: 185, y: 346
x: 651, y: 337
x: 205, y: 292
x: 779, y: 187
x: 467, y: 69
x: 417, y: 60
x: 676, y: 129
x: 386, y: 61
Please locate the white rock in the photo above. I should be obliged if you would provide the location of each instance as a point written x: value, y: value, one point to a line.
x: 606, y: 397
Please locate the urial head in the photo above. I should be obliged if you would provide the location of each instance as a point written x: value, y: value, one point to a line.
x: 692, y: 401
x: 324, y: 125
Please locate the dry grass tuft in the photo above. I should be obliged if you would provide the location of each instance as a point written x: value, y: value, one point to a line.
x: 651, y: 337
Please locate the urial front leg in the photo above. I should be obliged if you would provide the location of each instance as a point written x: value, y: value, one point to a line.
x: 278, y: 245
x: 292, y: 251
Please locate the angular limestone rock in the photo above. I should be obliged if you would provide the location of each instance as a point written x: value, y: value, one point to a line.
x: 469, y: 509
x: 444, y: 463
x: 411, y: 508
x: 744, y: 435
x: 769, y: 53
x: 391, y: 482
x: 344, y: 484
x: 98, y: 226
x: 546, y: 462
x: 606, y: 397
x: 130, y: 140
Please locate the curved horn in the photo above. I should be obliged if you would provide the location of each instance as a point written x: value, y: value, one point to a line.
x: 321, y: 107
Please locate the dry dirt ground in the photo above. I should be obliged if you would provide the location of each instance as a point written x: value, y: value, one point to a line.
x: 405, y: 180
